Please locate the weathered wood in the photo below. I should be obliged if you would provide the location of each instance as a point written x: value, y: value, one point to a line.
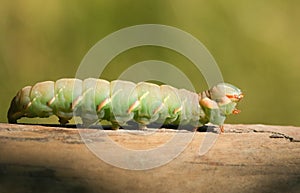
x: 246, y: 158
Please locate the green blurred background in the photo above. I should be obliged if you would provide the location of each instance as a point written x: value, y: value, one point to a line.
x: 255, y: 43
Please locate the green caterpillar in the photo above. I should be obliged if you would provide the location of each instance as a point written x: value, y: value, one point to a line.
x: 122, y: 101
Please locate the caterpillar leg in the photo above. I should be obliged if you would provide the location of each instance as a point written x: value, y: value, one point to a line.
x: 89, y: 122
x: 142, y: 127
x: 222, y: 128
x: 195, y: 129
x: 63, y: 121
x: 115, y: 126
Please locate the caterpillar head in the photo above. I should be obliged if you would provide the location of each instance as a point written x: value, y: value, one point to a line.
x: 220, y: 101
x: 226, y: 90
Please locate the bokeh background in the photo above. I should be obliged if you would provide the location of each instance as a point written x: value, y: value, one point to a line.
x: 255, y: 43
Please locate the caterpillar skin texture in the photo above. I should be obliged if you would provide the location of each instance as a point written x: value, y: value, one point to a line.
x: 122, y: 101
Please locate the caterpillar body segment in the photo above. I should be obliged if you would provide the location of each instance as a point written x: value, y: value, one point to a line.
x: 190, y: 108
x: 122, y: 101
x: 171, y: 104
x: 122, y: 97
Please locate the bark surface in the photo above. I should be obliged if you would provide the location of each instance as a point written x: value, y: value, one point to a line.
x: 245, y: 158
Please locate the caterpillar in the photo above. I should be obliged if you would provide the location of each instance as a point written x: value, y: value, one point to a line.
x: 122, y: 101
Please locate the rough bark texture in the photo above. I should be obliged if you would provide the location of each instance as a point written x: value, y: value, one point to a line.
x: 246, y: 158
